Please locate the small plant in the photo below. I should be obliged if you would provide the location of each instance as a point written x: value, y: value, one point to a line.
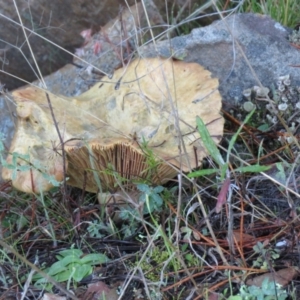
x: 72, y: 266
x: 16, y: 167
x: 266, y: 256
x: 150, y: 199
x: 190, y: 258
x: 223, y: 170
x: 268, y: 291
x: 151, y: 266
x: 151, y: 159
x: 96, y: 228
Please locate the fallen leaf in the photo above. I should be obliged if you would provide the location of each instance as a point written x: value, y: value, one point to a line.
x: 100, y: 291
x: 48, y: 296
x: 196, y: 235
x: 214, y: 296
x: 282, y: 277
x: 243, y: 236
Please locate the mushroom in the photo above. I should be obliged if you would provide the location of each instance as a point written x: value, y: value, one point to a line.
x: 137, y: 126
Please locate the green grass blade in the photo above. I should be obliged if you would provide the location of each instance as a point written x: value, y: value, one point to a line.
x: 202, y: 173
x: 252, y: 169
x: 209, y: 142
x: 233, y: 139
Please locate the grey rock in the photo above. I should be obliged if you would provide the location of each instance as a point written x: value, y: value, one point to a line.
x: 242, y: 51
x: 56, y: 20
x: 59, y: 21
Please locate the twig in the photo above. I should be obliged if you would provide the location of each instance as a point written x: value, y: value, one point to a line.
x: 29, y: 46
x: 62, y: 148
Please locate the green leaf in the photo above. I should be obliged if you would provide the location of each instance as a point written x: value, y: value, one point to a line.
x: 64, y: 276
x: 81, y: 272
x: 184, y: 247
x: 281, y: 173
x: 43, y: 284
x: 264, y: 127
x: 63, y: 264
x: 143, y: 188
x: 224, y: 168
x: 157, y: 200
x: 233, y: 139
x: 94, y: 259
x: 209, y: 142
x: 71, y: 259
x: 158, y: 189
x: 74, y: 252
x: 202, y: 172
x: 252, y: 169
x: 189, y: 257
x: 22, y: 222
x: 258, y: 247
x: 56, y: 268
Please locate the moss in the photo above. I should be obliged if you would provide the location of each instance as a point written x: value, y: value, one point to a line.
x: 151, y: 266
